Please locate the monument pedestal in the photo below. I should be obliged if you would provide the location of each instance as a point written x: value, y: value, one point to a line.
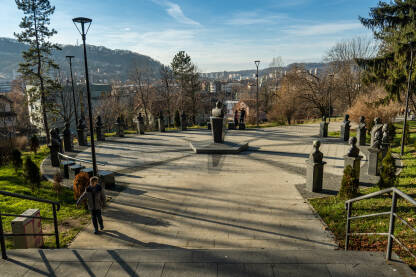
x: 323, y: 129
x: 218, y: 129
x: 361, y: 136
x: 140, y: 128
x: 231, y: 125
x: 54, y: 150
x: 355, y: 163
x: 373, y: 160
x: 314, y: 176
x: 82, y: 137
x: 241, y: 126
x: 161, y: 125
x: 345, y: 132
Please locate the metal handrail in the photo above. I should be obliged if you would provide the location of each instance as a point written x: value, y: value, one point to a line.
x: 79, y: 160
x: 55, y: 207
x: 393, y: 216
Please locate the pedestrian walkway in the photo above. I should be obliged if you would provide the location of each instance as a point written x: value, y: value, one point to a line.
x: 184, y: 263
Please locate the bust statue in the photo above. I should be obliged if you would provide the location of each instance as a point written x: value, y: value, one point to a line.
x: 242, y: 115
x: 140, y: 117
x: 316, y: 156
x: 376, y: 133
x: 99, y: 123
x: 161, y: 115
x: 353, y: 151
x: 347, y: 121
x: 81, y: 123
x: 218, y: 111
x: 324, y: 119
x: 361, y: 124
x: 386, y: 138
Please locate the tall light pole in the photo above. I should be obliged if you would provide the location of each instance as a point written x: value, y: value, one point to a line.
x: 257, y: 63
x: 82, y: 21
x: 410, y: 66
x: 73, y: 89
x: 332, y: 75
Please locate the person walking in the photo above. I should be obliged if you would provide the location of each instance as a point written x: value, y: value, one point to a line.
x: 95, y: 196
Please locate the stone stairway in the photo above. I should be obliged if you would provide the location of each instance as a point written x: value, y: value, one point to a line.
x: 184, y: 262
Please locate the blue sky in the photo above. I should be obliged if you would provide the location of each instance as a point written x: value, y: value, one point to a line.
x: 218, y: 35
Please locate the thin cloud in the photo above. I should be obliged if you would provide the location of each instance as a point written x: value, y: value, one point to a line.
x: 252, y: 18
x: 175, y: 11
x: 322, y: 29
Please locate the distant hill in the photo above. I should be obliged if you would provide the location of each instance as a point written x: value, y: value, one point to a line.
x: 103, y: 63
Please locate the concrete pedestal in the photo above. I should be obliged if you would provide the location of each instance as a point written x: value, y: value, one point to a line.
x: 120, y: 130
x: 209, y: 125
x: 74, y: 170
x: 241, y: 126
x: 361, y: 136
x: 355, y: 163
x: 231, y: 125
x: 89, y: 171
x: 54, y: 150
x: 82, y: 137
x: 27, y: 225
x: 140, y: 128
x: 100, y: 135
x: 218, y: 129
x: 345, y: 132
x: 64, y: 168
x: 373, y: 160
x: 68, y: 143
x: 161, y: 125
x: 323, y: 129
x: 314, y: 176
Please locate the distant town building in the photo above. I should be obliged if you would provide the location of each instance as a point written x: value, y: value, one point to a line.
x: 7, y: 117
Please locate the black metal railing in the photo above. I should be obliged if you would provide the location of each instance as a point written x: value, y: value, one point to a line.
x: 65, y: 157
x: 393, y: 215
x: 55, y: 207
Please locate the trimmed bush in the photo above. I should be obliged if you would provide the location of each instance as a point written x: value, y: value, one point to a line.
x: 387, y: 172
x: 31, y: 174
x: 57, y: 184
x: 17, y: 161
x: 350, y: 184
x: 81, y: 182
x: 391, y: 130
x: 34, y: 144
x: 177, y: 119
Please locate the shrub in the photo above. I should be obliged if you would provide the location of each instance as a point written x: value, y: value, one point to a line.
x: 16, y: 159
x: 21, y: 142
x: 34, y: 144
x: 369, y: 106
x: 31, y: 173
x: 57, y: 184
x: 391, y: 130
x: 350, y: 184
x: 387, y: 172
x: 81, y: 182
x: 177, y: 119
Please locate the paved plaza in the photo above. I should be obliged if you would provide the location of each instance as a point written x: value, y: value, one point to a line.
x: 177, y: 213
x: 175, y: 198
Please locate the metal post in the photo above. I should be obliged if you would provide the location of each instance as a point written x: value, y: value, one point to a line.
x: 55, y: 223
x: 391, y: 227
x: 348, y: 226
x: 407, y: 100
x: 73, y: 89
x: 2, y: 242
x: 94, y: 162
x: 257, y: 95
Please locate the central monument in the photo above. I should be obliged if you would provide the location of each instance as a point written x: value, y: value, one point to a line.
x: 218, y: 123
x: 218, y: 145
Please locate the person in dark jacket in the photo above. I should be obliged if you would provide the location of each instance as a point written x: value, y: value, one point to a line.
x: 95, y: 196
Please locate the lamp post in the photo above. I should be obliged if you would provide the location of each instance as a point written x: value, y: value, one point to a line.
x: 257, y: 63
x: 73, y: 89
x: 410, y: 66
x: 332, y: 75
x: 82, y: 21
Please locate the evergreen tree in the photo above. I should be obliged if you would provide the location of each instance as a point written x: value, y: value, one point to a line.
x: 350, y: 184
x: 183, y: 70
x: 17, y: 159
x: 37, y: 59
x: 387, y: 172
x: 31, y: 173
x: 393, y: 24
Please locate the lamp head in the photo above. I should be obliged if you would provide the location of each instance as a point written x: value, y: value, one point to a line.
x: 70, y: 57
x: 81, y: 20
x: 257, y: 63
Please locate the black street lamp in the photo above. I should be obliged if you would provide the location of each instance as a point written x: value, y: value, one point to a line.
x: 82, y: 21
x: 332, y: 75
x: 73, y: 89
x: 410, y: 67
x: 257, y: 63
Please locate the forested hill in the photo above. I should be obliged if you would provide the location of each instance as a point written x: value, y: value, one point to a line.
x: 104, y: 64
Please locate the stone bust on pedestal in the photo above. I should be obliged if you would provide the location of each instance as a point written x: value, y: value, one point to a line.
x: 217, y: 123
x: 218, y: 111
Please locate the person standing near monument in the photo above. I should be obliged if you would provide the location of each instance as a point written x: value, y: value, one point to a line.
x: 95, y: 196
x: 242, y: 115
x: 236, y: 118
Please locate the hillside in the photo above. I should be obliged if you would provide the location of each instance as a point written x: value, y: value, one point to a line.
x: 104, y: 64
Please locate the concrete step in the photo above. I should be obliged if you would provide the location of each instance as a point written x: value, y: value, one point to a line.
x: 185, y: 262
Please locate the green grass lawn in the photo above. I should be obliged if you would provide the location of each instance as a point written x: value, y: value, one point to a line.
x: 332, y: 210
x: 70, y: 218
